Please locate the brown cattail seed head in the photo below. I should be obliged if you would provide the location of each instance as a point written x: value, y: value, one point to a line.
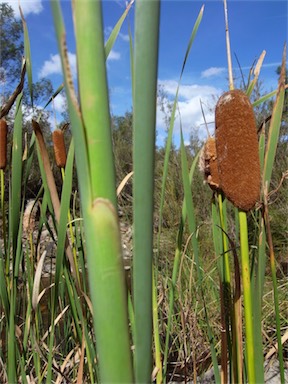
x: 3, y: 143
x: 59, y: 148
x: 208, y: 163
x: 237, y: 149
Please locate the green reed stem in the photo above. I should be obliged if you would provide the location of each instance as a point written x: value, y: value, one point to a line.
x: 2, y: 184
x: 94, y: 160
x: 73, y: 240
x: 247, y: 293
x: 225, y: 287
x: 158, y: 362
x: 145, y: 85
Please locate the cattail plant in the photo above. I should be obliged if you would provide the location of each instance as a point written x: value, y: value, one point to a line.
x: 59, y: 148
x: 3, y: 143
x: 238, y: 171
x: 237, y: 149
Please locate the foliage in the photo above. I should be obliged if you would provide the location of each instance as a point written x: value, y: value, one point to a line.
x: 11, y: 43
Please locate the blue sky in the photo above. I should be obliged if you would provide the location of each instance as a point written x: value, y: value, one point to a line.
x: 254, y: 26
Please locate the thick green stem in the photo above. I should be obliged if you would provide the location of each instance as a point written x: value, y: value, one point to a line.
x: 145, y: 85
x: 109, y: 297
x: 94, y: 103
x: 248, y: 311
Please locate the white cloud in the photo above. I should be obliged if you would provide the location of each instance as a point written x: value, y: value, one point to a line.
x: 53, y: 66
x: 124, y: 37
x: 27, y: 6
x: 186, y: 91
x: 189, y: 108
x: 114, y: 55
x: 212, y: 71
x: 59, y: 103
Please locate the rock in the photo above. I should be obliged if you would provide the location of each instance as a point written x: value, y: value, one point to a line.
x: 271, y: 374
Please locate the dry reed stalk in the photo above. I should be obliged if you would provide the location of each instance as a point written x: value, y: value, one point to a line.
x: 3, y: 143
x: 208, y: 164
x: 237, y: 149
x: 59, y: 148
x: 29, y: 217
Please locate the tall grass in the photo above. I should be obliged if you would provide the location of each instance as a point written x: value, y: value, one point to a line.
x: 83, y: 325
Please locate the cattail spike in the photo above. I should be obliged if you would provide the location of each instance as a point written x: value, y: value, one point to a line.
x: 237, y: 149
x: 59, y: 148
x: 3, y: 143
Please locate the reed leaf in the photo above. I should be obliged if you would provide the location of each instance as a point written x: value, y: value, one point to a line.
x: 27, y: 52
x: 114, y: 34
x: 55, y: 94
x: 16, y: 176
x: 275, y: 125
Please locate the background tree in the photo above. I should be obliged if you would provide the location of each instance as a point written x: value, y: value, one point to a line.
x: 11, y: 43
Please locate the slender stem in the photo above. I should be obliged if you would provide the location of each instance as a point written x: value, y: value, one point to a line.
x: 230, y: 73
x: 73, y: 241
x: 158, y: 363
x: 4, y: 220
x: 225, y: 287
x: 248, y: 311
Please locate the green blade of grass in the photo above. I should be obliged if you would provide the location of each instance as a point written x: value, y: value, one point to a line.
x: 114, y: 34
x: 27, y: 55
x: 273, y: 138
x: 156, y: 333
x: 11, y: 359
x: 275, y: 125
x: 58, y: 90
x: 16, y: 174
x: 3, y: 287
x: 266, y: 97
x: 64, y: 208
x: 144, y: 118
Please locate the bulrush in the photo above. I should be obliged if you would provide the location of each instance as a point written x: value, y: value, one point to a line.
x: 237, y: 149
x: 3, y: 143
x: 208, y: 164
x: 59, y: 148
